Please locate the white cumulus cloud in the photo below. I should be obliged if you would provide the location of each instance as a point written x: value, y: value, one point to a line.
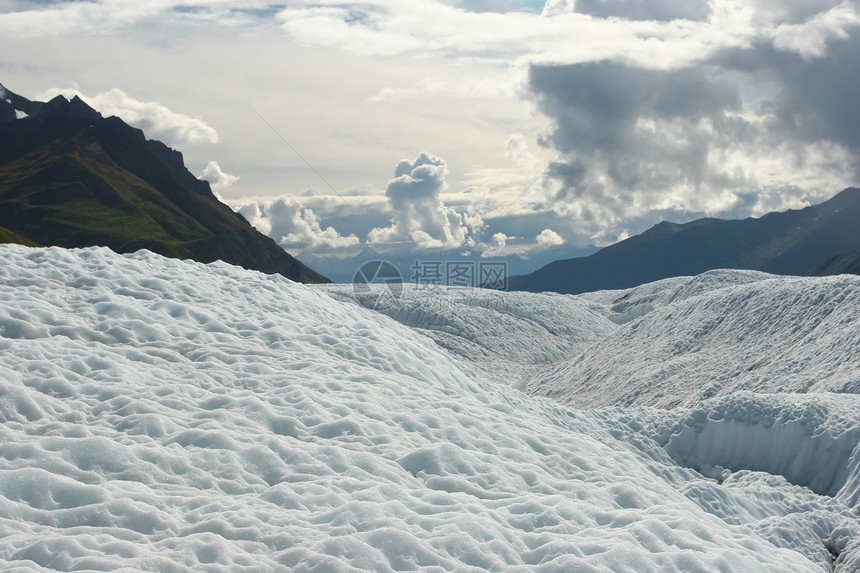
x: 294, y: 227
x: 216, y: 177
x: 154, y: 118
x: 549, y: 238
x: 811, y: 37
x: 419, y: 214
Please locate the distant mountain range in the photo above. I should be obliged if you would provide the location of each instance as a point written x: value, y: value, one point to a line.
x: 820, y: 239
x: 72, y: 178
x: 407, y: 260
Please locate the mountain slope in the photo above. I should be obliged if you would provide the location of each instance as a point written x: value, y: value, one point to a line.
x: 792, y: 242
x: 7, y: 236
x: 71, y: 178
x: 846, y: 263
x: 343, y: 270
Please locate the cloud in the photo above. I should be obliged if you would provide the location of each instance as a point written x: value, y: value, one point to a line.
x: 498, y: 246
x: 217, y: 178
x: 728, y: 136
x: 62, y: 17
x: 815, y: 99
x: 769, y: 13
x: 419, y: 215
x: 632, y: 140
x: 634, y: 110
x: 474, y: 31
x: 653, y: 37
x: 652, y: 33
x: 665, y: 10
x: 501, y: 6
x: 35, y: 18
x: 295, y: 227
x: 155, y: 119
x: 517, y: 150
x: 549, y: 238
x: 811, y: 37
x: 497, y: 87
x: 503, y: 245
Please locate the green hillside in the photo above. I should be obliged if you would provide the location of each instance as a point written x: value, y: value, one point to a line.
x: 70, y: 178
x: 844, y: 264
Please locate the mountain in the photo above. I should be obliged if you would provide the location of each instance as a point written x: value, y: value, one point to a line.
x: 72, y: 178
x: 846, y: 263
x: 342, y: 270
x: 7, y: 236
x: 787, y: 243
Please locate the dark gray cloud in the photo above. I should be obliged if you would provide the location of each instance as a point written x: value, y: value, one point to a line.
x: 624, y: 132
x: 646, y: 9
x: 813, y: 98
x: 596, y: 104
x: 790, y: 11
x: 766, y: 127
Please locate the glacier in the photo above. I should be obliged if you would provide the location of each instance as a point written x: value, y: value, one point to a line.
x: 164, y: 415
x: 713, y: 335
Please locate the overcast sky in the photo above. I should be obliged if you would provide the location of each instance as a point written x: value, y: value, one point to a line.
x: 477, y: 124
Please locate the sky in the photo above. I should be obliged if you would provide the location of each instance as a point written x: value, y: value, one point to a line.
x: 482, y: 126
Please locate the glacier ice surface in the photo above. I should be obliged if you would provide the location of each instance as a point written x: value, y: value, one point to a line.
x: 161, y: 415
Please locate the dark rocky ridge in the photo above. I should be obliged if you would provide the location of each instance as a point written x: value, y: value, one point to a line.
x: 789, y: 243
x: 72, y: 178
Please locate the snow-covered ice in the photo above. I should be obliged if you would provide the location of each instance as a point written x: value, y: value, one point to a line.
x: 160, y: 415
x: 685, y: 339
x: 507, y: 335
